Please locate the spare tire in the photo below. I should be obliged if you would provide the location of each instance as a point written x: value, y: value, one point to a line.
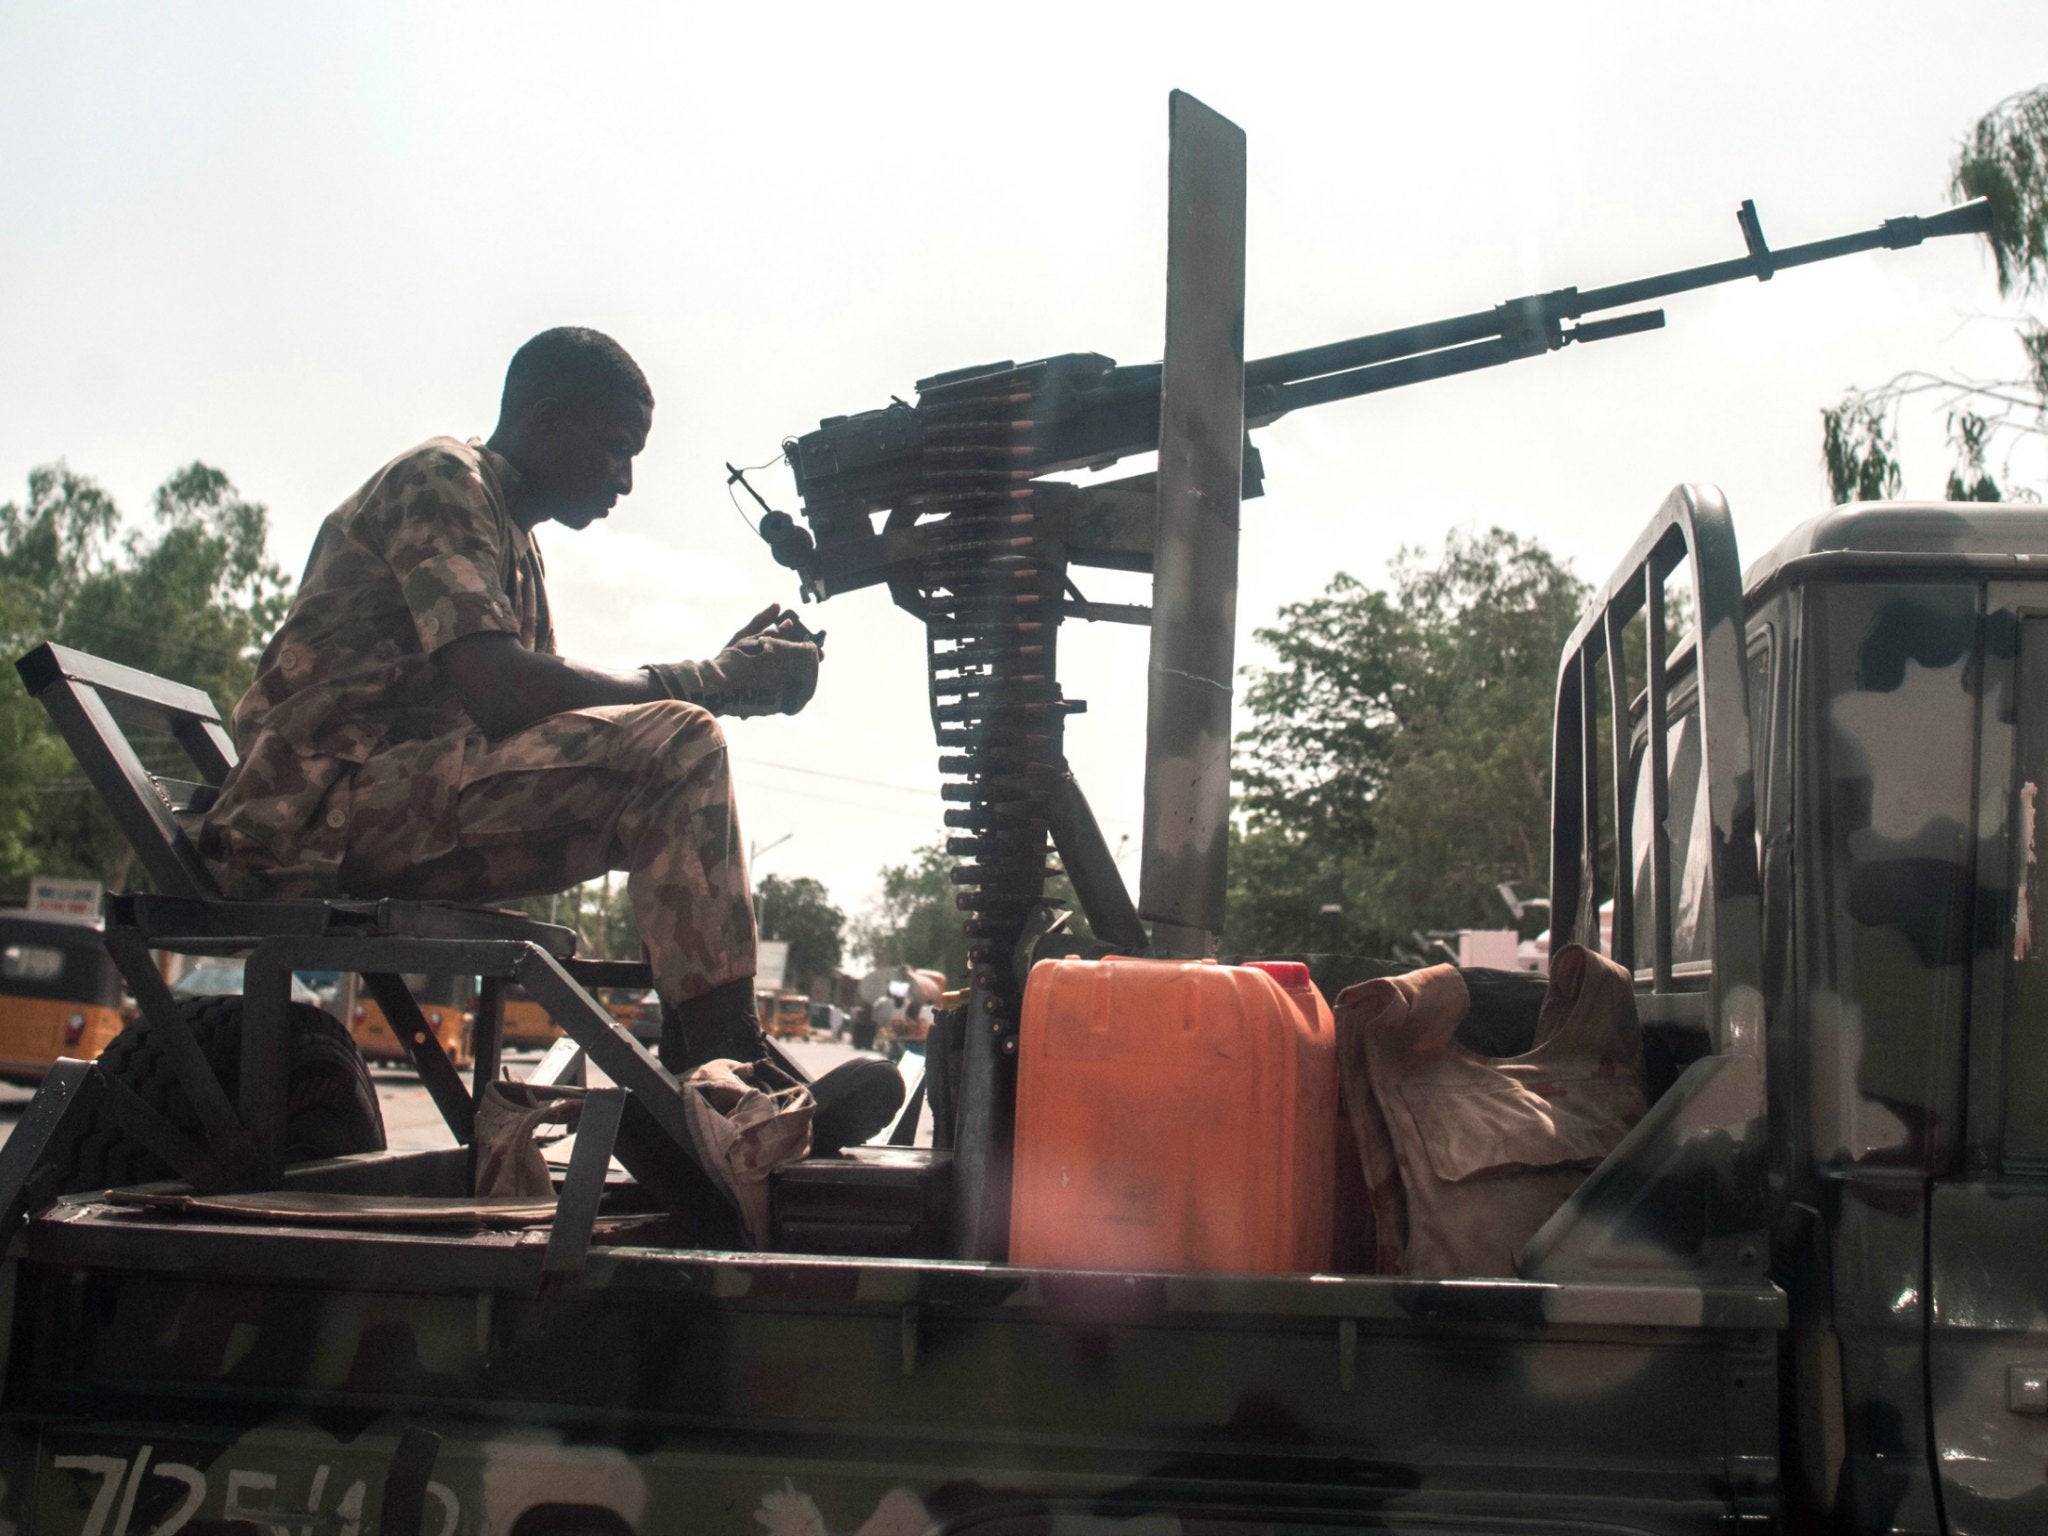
x: 330, y: 1103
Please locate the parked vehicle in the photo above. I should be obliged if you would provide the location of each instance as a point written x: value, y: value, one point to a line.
x: 223, y: 978
x: 527, y: 1025
x: 639, y: 1009
x: 785, y: 1015
x: 60, y: 994
x: 447, y: 1003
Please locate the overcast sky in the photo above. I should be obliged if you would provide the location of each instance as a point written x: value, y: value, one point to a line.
x: 294, y: 240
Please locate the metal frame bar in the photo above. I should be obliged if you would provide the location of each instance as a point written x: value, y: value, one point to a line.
x: 604, y: 1040
x: 193, y: 1163
x: 218, y: 1120
x: 1084, y: 853
x: 486, y: 1040
x: 1588, y: 905
x: 30, y: 1158
x: 562, y: 1065
x: 657, y: 1100
x: 437, y: 1073
x: 1692, y: 526
x: 84, y: 696
x: 1622, y: 944
x: 597, y: 1137
x: 1657, y: 750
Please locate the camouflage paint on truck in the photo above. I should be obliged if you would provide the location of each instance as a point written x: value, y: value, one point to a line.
x: 692, y: 1392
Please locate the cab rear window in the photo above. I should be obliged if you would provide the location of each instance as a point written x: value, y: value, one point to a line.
x: 31, y: 962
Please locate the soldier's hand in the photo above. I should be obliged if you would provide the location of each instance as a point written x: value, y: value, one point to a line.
x: 760, y: 674
x: 788, y: 668
x: 779, y: 622
x: 769, y: 618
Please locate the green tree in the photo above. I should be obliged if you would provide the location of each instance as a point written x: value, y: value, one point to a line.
x: 195, y: 600
x: 193, y: 597
x: 2004, y: 158
x: 1396, y: 764
x: 801, y: 913
x: 915, y: 922
x: 598, y: 912
x: 47, y: 544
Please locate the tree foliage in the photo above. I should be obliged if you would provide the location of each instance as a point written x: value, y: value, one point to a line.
x: 915, y: 922
x: 598, y: 912
x: 1857, y: 451
x: 192, y: 597
x: 2004, y: 159
x: 1395, y: 767
x: 801, y: 913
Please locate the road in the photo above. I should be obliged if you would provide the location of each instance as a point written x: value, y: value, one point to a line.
x: 411, y: 1121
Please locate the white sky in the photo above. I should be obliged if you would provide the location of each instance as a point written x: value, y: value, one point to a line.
x: 294, y: 240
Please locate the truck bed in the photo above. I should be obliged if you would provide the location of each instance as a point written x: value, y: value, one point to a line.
x: 221, y: 1370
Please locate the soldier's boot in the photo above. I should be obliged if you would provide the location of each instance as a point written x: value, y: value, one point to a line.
x: 719, y: 1025
x: 855, y: 1099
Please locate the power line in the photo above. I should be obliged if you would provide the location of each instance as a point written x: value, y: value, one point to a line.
x: 783, y: 789
x: 858, y: 805
x: 845, y: 778
x: 881, y: 783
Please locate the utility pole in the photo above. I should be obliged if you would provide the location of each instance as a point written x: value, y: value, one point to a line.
x: 754, y: 852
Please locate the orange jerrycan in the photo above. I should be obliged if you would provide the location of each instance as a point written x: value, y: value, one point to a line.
x: 1174, y: 1115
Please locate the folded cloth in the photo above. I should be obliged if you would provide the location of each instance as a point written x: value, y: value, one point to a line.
x: 746, y: 1120
x: 508, y: 1159
x: 1466, y: 1155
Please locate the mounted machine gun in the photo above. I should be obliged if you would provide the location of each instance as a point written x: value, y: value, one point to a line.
x: 979, y: 544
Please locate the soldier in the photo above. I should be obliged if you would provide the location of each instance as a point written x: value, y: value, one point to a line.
x: 413, y: 732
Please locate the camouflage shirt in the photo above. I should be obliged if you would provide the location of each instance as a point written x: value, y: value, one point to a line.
x: 424, y: 554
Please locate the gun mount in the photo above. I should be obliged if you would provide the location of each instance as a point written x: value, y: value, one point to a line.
x: 978, y: 541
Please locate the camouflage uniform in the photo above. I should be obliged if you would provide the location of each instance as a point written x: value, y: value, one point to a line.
x: 361, y: 773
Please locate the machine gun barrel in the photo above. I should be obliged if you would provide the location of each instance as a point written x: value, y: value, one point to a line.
x: 1971, y: 218
x: 1528, y: 326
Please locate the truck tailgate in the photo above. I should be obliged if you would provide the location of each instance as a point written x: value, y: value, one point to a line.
x: 167, y: 1371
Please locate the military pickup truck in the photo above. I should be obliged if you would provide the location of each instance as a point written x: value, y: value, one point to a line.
x: 1808, y: 1292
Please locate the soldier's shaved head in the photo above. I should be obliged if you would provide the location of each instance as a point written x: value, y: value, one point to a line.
x: 576, y: 410
x: 575, y: 365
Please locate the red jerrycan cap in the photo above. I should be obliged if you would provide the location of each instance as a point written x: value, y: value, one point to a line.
x: 1291, y: 974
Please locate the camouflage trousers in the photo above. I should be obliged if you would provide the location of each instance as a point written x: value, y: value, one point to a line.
x: 640, y: 787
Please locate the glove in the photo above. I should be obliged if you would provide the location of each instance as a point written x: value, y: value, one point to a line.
x: 760, y: 675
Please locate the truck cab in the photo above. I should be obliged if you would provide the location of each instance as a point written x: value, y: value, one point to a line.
x: 1897, y: 658
x: 1893, y: 665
